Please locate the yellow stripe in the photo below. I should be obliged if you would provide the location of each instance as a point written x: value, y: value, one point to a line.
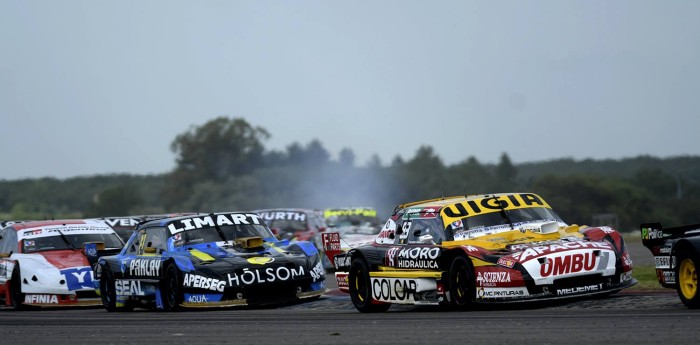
x: 478, y: 263
x: 201, y: 255
x: 406, y: 274
x: 273, y: 246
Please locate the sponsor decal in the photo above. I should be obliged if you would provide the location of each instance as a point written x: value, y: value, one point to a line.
x: 405, y: 227
x: 200, y: 282
x: 128, y: 288
x: 78, y: 278
x: 212, y: 221
x: 341, y: 262
x: 416, y: 257
x: 665, y: 250
x: 579, y: 289
x: 470, y: 208
x: 664, y: 261
x: 126, y: 222
x: 331, y: 241
x: 53, y: 230
x: 490, y: 292
x: 506, y: 262
x: 317, y: 273
x: 533, y: 252
x: 566, y: 264
x: 393, y: 290
x: 492, y: 278
x: 652, y: 234
x: 391, y: 256
x: 202, y: 298
x: 145, y: 267
x: 365, y: 212
x: 40, y: 298
x: 342, y: 280
x: 669, y: 277
x: 388, y: 233
x: 261, y: 276
x: 260, y: 260
x: 289, y: 215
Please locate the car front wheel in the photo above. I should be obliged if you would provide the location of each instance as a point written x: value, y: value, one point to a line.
x: 361, y: 288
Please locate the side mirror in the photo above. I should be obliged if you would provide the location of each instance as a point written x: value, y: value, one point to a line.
x: 427, y: 239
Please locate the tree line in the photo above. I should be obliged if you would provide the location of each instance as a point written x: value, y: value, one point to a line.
x: 223, y: 165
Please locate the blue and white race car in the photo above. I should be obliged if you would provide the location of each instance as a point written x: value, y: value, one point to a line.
x: 206, y: 260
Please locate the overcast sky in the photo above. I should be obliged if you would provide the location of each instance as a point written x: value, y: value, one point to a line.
x: 96, y: 87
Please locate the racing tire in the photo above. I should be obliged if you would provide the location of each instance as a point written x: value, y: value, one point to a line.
x: 462, y: 288
x: 108, y: 292
x: 173, y: 296
x: 687, y: 278
x: 16, y: 295
x: 361, y: 288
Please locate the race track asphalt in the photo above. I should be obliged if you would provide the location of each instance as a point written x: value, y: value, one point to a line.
x: 629, y: 317
x: 624, y: 318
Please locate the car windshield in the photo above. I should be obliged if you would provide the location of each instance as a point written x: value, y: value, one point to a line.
x: 74, y: 241
x: 230, y: 233
x: 287, y: 226
x: 482, y: 224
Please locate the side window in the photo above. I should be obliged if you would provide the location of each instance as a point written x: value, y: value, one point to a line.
x: 3, y: 241
x: 8, y: 243
x: 132, y: 247
x: 155, y: 238
x: 425, y: 231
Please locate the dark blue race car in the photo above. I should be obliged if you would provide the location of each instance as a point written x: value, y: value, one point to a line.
x: 218, y: 259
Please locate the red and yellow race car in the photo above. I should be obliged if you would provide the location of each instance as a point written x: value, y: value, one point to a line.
x: 479, y: 248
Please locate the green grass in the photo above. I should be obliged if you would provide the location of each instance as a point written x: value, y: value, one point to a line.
x: 646, y: 275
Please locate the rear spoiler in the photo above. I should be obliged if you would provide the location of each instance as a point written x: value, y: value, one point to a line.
x: 654, y: 235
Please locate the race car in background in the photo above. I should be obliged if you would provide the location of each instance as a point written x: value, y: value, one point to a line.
x: 676, y: 253
x: 6, y: 223
x: 487, y: 248
x: 42, y: 263
x: 206, y: 260
x: 125, y: 225
x: 294, y: 224
x: 355, y: 225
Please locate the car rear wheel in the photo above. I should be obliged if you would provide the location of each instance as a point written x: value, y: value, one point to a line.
x: 687, y: 277
x: 172, y: 289
x: 361, y: 288
x: 462, y: 289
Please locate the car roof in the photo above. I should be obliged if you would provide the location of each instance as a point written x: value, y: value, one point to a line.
x: 452, y: 200
x: 41, y: 223
x: 167, y: 220
x: 284, y: 210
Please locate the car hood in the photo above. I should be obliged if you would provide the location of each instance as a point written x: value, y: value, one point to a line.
x: 62, y: 259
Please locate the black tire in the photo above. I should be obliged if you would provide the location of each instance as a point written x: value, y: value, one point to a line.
x: 361, y: 289
x: 16, y: 295
x: 172, y: 289
x: 462, y: 288
x: 687, y: 279
x: 108, y: 292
